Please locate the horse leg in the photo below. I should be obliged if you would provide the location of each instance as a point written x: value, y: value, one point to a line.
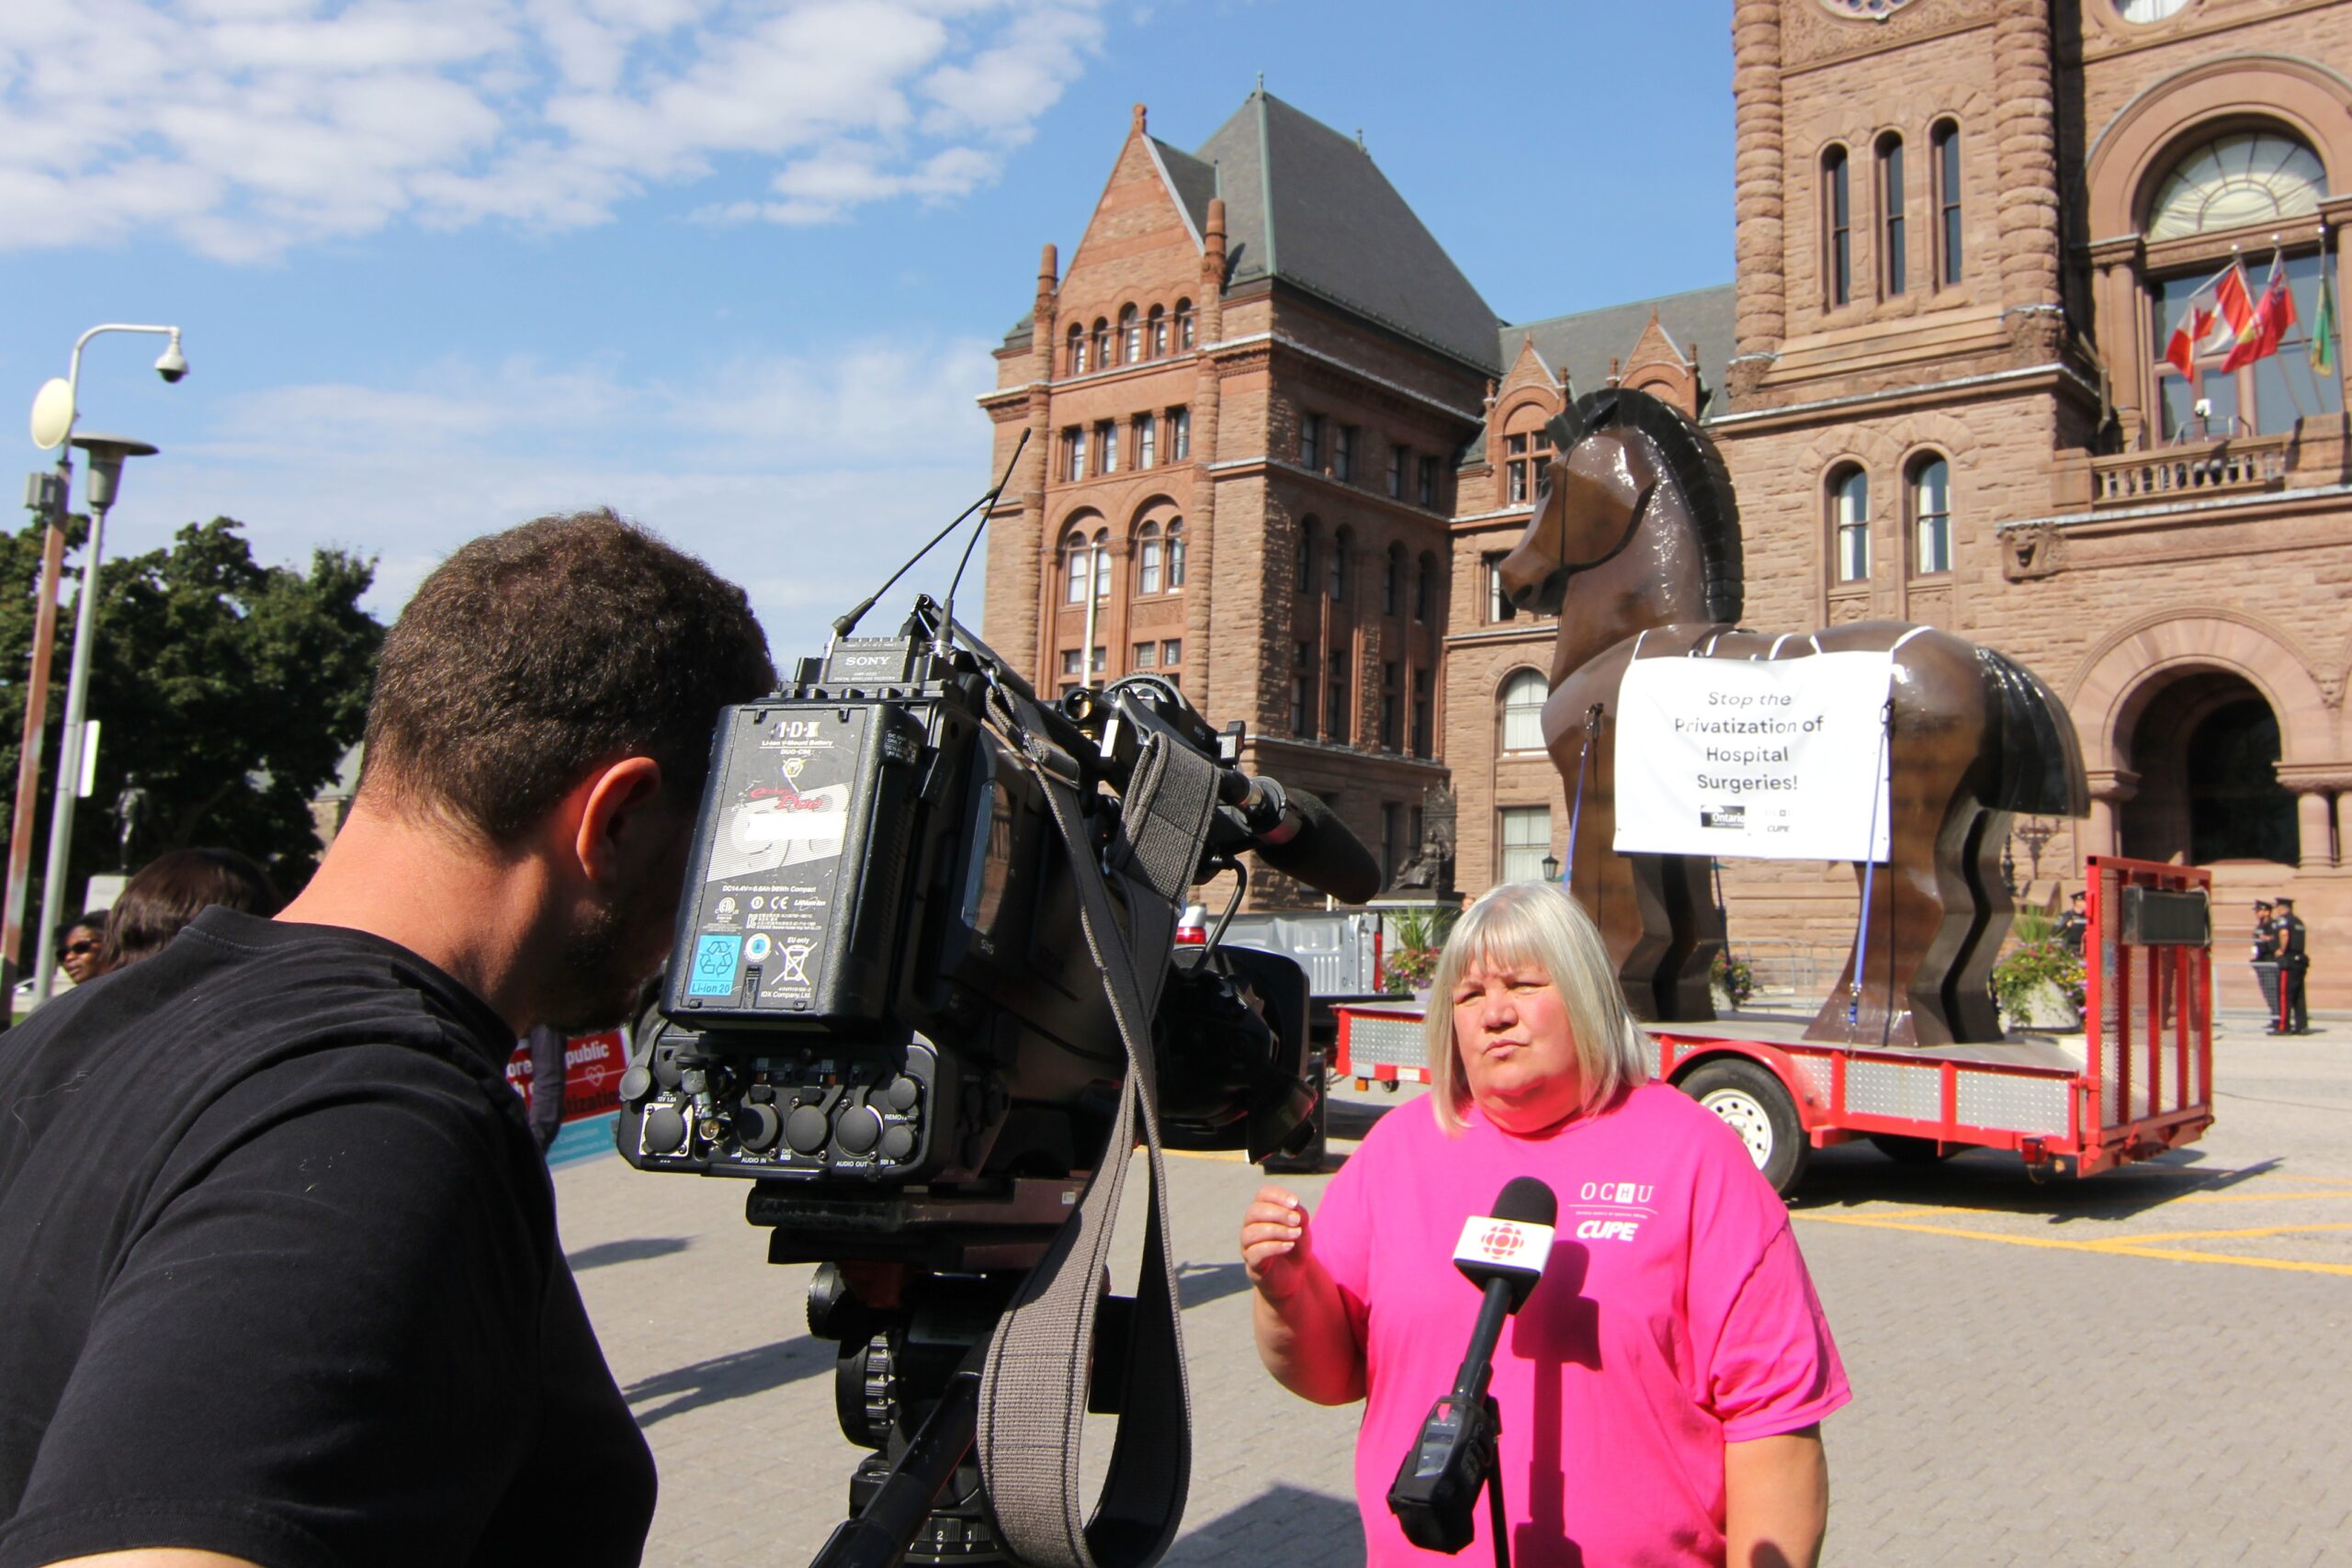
x: 1968, y: 996
x: 1897, y: 1004
x: 1696, y: 922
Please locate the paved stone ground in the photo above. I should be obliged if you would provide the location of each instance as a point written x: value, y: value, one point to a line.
x: 2145, y: 1368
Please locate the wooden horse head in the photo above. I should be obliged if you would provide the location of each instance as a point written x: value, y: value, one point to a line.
x: 1629, y: 477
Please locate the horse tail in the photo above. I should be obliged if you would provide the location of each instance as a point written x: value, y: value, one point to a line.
x: 2041, y: 763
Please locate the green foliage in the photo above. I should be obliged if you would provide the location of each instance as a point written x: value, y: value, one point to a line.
x: 2031, y: 925
x: 227, y: 693
x: 1734, y: 977
x: 1420, y: 937
x: 2030, y: 966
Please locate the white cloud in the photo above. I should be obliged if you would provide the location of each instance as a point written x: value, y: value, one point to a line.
x: 247, y: 127
x: 807, y: 480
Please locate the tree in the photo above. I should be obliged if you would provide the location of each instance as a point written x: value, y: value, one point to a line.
x: 227, y: 693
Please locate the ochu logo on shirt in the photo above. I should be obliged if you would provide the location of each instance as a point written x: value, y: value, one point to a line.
x: 1614, y: 1210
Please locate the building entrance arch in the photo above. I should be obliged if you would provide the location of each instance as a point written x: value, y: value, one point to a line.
x: 2205, y: 746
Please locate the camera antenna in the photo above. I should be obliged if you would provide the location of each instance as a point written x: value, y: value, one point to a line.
x: 987, y: 504
x: 847, y: 623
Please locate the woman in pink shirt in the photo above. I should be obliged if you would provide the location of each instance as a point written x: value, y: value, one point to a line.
x: 1662, y: 1388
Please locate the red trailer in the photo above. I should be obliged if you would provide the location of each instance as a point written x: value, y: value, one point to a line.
x: 2137, y: 1081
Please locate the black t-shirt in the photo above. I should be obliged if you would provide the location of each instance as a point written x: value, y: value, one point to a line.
x: 281, y: 1278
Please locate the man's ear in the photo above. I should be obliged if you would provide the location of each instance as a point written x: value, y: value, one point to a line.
x: 623, y: 812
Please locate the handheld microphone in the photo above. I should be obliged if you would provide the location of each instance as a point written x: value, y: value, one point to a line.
x: 1453, y: 1456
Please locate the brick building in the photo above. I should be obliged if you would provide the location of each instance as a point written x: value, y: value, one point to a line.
x: 1965, y: 233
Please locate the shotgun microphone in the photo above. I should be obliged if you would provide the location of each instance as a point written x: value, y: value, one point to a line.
x: 1454, y: 1457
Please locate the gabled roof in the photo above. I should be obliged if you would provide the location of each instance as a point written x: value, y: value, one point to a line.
x: 1582, y: 344
x: 1309, y: 206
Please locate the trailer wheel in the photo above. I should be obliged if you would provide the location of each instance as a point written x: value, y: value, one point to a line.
x: 1906, y: 1150
x: 1753, y: 1104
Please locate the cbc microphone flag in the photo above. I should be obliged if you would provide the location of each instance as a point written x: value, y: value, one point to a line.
x: 1503, y: 1246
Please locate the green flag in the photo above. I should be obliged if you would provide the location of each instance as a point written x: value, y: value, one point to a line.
x: 2323, y: 325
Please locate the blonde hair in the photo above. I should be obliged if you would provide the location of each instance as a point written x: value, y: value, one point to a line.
x: 1535, y: 922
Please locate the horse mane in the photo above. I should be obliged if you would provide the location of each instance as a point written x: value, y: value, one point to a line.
x: 1699, y: 471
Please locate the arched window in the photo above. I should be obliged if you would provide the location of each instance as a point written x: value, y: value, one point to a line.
x: 1522, y: 710
x: 1342, y: 547
x: 1130, y: 335
x: 1159, y: 324
x: 1076, y: 364
x: 2232, y: 190
x: 1527, y: 448
x: 1183, y: 324
x: 1148, y: 559
x: 1850, y: 524
x: 1102, y: 344
x: 1074, y: 555
x: 1175, y: 555
x: 1893, y: 255
x: 1425, y: 591
x: 1930, y: 488
x: 1102, y: 563
x: 1392, y: 581
x: 2231, y: 180
x: 1305, y: 562
x: 1943, y: 141
x: 1837, y: 228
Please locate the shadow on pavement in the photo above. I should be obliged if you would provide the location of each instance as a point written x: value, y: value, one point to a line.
x: 1994, y: 1181
x: 733, y: 1376
x: 1295, y: 1528
x: 634, y: 1250
x: 1200, y: 1283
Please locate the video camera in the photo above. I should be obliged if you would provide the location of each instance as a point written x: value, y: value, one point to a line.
x: 881, y: 1010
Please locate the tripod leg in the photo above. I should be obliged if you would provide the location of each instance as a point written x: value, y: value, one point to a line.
x: 880, y: 1535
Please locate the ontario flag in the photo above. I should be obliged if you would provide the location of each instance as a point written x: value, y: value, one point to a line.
x: 2272, y: 315
x: 2218, y: 331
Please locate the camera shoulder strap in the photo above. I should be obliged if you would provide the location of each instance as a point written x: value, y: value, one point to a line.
x: 1033, y: 1391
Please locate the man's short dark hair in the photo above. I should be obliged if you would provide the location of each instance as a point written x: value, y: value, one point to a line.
x: 533, y: 656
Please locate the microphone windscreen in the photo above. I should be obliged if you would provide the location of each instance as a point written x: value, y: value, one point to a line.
x: 1324, y: 854
x: 1527, y: 1200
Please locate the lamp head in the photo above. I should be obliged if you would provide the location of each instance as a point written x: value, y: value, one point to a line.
x: 107, y: 452
x: 172, y: 365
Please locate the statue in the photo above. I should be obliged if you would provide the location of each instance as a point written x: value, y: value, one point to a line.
x: 1636, y: 542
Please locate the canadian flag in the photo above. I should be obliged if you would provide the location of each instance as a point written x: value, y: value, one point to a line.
x: 2217, y: 331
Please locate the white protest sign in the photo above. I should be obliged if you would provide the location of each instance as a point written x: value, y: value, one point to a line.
x: 1733, y: 757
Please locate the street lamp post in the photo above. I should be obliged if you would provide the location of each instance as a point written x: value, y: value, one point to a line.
x: 107, y: 454
x: 55, y: 409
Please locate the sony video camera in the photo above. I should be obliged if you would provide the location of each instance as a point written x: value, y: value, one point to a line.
x: 880, y: 1006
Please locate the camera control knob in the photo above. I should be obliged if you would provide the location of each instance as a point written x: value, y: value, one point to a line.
x: 901, y: 1093
x: 898, y: 1142
x: 757, y: 1127
x: 806, y: 1129
x: 859, y: 1129
x: 665, y: 1130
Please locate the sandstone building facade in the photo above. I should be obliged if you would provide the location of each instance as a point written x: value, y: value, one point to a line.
x: 1965, y: 233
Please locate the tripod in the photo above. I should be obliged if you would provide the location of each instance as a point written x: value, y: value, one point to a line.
x: 912, y: 1290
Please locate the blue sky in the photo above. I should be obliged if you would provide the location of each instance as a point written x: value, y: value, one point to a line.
x: 734, y: 268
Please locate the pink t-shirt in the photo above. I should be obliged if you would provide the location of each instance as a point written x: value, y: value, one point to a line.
x: 1675, y: 1315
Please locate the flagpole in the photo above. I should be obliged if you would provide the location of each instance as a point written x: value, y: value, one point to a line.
x: 2278, y: 280
x: 2332, y: 346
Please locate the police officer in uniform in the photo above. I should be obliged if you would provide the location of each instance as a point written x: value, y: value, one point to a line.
x: 2293, y: 961
x: 2266, y: 961
x: 2074, y: 923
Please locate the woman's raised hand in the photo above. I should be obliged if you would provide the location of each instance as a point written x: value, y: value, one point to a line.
x: 1274, y: 1242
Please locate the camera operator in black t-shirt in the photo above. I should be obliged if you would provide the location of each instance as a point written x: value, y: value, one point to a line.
x: 284, y: 1285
